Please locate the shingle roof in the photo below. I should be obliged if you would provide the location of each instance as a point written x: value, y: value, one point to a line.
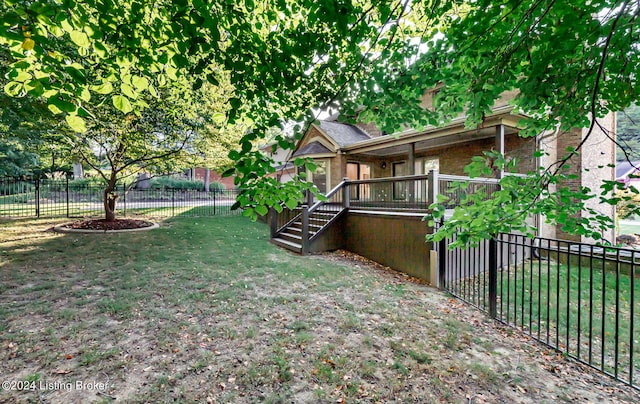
x: 312, y: 148
x: 343, y: 134
x: 623, y: 168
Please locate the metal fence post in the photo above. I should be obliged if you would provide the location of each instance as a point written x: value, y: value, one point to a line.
x: 305, y: 230
x: 493, y: 276
x: 442, y: 263
x: 37, y: 197
x: 214, y: 201
x: 173, y: 201
x: 67, y: 193
x: 124, y: 199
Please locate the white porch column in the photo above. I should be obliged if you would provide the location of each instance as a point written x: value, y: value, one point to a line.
x: 500, y: 146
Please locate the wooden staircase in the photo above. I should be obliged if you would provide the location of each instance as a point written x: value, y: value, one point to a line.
x: 308, y: 222
x: 291, y: 236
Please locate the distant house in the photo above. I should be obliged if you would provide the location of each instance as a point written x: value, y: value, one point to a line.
x: 285, y: 169
x: 628, y: 173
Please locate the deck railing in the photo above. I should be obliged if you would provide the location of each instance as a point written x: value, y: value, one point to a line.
x: 396, y: 193
x: 456, y: 193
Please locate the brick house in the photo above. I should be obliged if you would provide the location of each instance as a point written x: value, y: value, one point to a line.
x: 389, y: 189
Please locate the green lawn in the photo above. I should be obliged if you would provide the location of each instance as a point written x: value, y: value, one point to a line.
x: 571, y: 307
x: 208, y: 310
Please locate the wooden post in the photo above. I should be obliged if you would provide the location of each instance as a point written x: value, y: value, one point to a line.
x: 274, y: 222
x: 305, y: 230
x: 346, y: 193
x: 309, y: 198
x: 433, y: 186
x: 411, y: 186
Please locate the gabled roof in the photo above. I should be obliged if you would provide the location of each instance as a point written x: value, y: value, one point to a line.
x: 623, y: 168
x: 343, y: 134
x: 312, y: 148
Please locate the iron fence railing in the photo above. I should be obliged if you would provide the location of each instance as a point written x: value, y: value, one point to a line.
x: 54, y: 198
x: 580, y: 299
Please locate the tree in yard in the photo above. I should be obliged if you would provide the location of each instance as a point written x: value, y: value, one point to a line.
x: 165, y: 138
x: 570, y: 61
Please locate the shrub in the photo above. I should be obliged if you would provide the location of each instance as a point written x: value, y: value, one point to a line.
x: 175, y: 183
x: 87, y: 182
x: 184, y: 184
x: 216, y: 187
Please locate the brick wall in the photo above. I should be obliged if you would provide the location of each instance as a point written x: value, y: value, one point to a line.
x: 214, y: 176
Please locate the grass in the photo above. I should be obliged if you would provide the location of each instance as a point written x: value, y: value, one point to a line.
x: 207, y: 309
x: 574, y: 307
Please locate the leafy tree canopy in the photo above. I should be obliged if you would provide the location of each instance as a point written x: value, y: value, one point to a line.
x: 570, y: 61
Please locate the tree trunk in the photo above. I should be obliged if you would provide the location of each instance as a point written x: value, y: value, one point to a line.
x: 207, y: 179
x: 78, y: 172
x: 110, y: 203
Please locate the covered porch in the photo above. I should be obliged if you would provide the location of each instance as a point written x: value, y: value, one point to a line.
x: 381, y: 219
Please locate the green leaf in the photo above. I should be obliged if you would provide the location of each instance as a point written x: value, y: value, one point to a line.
x: 104, y: 88
x: 80, y: 38
x: 262, y: 210
x: 122, y: 104
x: 13, y: 89
x: 249, y: 212
x: 66, y: 26
x: 218, y: 118
x: 128, y: 91
x: 85, y: 95
x: 140, y: 83
x: 291, y: 203
x: 76, y: 123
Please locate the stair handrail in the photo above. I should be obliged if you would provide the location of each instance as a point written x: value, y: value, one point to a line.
x: 313, y: 207
x: 284, y: 226
x: 337, y: 188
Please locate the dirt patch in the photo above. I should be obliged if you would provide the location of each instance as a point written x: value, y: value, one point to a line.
x: 104, y: 225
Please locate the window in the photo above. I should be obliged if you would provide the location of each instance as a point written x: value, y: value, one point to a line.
x: 320, y: 177
x: 359, y: 171
x: 399, y: 188
x: 424, y: 165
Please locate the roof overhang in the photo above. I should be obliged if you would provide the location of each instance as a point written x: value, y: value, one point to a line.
x: 452, y: 133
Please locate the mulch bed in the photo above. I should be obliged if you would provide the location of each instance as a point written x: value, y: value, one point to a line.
x: 102, y: 224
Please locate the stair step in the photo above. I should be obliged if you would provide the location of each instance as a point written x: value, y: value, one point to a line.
x: 293, y: 236
x: 298, y: 225
x: 314, y: 214
x: 287, y: 244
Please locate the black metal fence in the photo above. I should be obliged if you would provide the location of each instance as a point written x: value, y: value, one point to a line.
x: 54, y: 198
x: 577, y: 298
